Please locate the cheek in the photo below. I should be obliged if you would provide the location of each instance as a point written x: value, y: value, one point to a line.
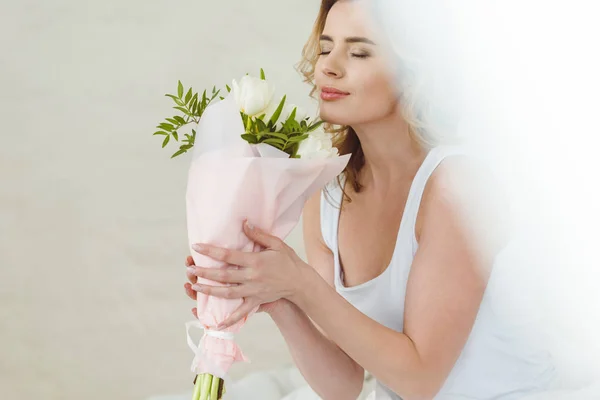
x: 376, y: 95
x: 372, y: 98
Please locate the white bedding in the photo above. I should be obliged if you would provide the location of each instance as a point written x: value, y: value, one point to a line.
x: 288, y: 384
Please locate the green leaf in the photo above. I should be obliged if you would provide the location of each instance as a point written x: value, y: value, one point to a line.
x: 179, y: 102
x: 277, y: 112
x: 215, y: 95
x: 173, y: 121
x: 172, y: 96
x: 295, y: 125
x: 315, y: 126
x: 221, y: 97
x: 188, y: 96
x: 296, y: 139
x: 274, y: 141
x: 160, y: 133
x: 180, y: 89
x: 262, y: 74
x: 279, y: 135
x: 287, y: 126
x: 250, y: 138
x: 183, y: 110
x: 292, y: 116
x: 180, y: 120
x: 176, y: 136
x: 260, y: 124
x: 166, y: 141
x: 178, y: 153
x: 194, y: 103
x: 194, y: 107
x: 204, y: 100
x: 214, y: 89
x: 166, y: 127
x: 303, y: 125
x: 228, y: 88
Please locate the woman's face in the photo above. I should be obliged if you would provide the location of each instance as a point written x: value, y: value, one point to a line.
x: 352, y: 74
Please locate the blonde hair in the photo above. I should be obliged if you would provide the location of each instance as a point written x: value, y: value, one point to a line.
x: 345, y: 138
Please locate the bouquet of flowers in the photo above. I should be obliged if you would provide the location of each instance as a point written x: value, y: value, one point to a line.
x: 255, y: 158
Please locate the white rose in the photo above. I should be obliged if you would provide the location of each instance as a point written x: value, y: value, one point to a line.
x: 317, y: 146
x: 252, y: 95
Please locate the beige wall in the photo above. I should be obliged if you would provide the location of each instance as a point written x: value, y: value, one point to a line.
x: 92, y: 216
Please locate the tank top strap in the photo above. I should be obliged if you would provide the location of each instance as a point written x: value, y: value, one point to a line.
x: 332, y: 194
x: 433, y: 159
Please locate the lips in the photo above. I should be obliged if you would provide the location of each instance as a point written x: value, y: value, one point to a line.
x: 331, y: 94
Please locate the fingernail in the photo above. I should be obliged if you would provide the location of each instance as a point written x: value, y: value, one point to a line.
x: 199, y: 247
x: 197, y: 288
x: 249, y: 225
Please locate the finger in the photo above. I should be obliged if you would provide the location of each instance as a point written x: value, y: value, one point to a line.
x: 224, y: 292
x: 232, y: 274
x: 229, y: 256
x: 190, y: 273
x: 261, y: 237
x: 189, y: 261
x: 190, y: 292
x: 195, y: 312
x: 241, y: 312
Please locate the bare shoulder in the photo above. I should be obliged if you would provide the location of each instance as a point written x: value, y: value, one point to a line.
x: 311, y: 213
x: 464, y: 190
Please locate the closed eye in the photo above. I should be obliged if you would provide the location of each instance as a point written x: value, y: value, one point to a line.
x: 324, y: 53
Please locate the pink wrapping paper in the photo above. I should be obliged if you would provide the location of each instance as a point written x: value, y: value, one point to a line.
x: 229, y: 181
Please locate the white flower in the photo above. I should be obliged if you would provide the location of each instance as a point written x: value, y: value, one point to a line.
x: 252, y: 95
x: 317, y: 146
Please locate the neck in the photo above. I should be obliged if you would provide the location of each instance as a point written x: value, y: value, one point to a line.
x: 390, y: 152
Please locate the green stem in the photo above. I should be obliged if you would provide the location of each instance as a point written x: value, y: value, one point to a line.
x: 197, y: 388
x: 206, y: 383
x: 214, y: 389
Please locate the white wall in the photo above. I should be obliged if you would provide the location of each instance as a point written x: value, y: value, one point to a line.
x: 92, y: 212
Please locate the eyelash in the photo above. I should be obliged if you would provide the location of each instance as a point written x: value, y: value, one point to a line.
x: 324, y: 53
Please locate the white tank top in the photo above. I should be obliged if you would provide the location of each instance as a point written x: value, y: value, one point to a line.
x: 496, y: 362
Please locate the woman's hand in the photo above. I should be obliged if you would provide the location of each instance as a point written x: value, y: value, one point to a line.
x: 264, y: 277
x: 265, y: 307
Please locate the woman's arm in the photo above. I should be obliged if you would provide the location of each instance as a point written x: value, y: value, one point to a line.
x: 445, y: 289
x: 328, y: 370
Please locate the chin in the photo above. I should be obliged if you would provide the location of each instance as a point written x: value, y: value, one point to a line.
x: 336, y: 117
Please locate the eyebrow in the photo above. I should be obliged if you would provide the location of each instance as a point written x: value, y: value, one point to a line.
x: 352, y: 39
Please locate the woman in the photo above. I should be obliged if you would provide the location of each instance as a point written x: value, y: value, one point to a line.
x: 396, y: 277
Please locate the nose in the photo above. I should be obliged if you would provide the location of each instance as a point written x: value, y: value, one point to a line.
x: 331, y: 67
x: 332, y: 72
